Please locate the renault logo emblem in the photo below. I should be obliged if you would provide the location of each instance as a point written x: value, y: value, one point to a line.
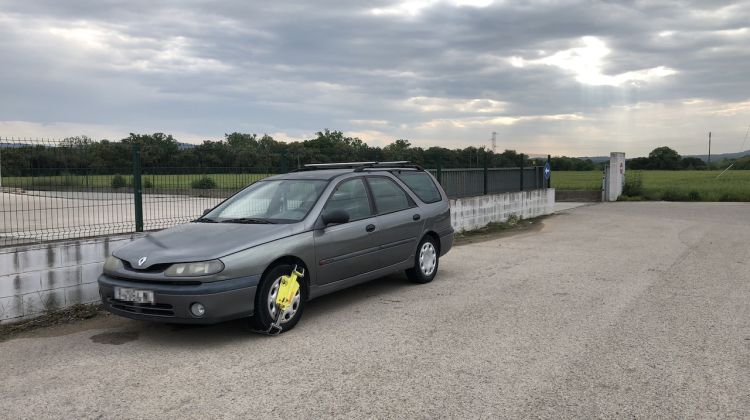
x: 142, y: 260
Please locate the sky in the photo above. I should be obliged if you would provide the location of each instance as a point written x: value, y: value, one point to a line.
x: 576, y: 78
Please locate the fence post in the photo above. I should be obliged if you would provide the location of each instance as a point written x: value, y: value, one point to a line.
x: 439, y: 173
x: 549, y: 180
x: 522, y: 170
x: 485, y: 174
x: 137, y: 192
x: 284, y: 168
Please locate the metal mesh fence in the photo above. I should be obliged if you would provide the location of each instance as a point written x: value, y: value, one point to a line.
x: 478, y: 181
x: 49, y: 190
x: 57, y: 190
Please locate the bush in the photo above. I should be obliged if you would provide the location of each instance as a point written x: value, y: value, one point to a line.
x: 672, y: 194
x: 203, y: 183
x: 729, y: 197
x: 147, y: 183
x: 118, y: 181
x: 513, y: 220
x: 694, y: 196
x: 633, y: 186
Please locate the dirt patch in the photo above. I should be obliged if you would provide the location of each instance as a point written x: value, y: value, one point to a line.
x: 115, y: 338
x: 61, y: 317
x: 499, y: 230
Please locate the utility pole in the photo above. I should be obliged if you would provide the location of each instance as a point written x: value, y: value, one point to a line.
x: 494, y: 141
x: 709, y: 147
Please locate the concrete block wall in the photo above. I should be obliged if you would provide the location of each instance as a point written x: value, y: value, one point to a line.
x: 471, y: 213
x: 38, y: 278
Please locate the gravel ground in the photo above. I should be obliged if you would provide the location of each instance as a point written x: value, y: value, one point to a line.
x: 611, y: 310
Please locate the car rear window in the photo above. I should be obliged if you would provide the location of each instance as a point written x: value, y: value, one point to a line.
x: 421, y: 184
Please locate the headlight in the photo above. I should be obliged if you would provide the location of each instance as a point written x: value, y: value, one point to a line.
x: 194, y: 269
x: 112, y: 264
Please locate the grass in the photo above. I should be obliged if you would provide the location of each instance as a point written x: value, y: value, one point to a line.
x: 230, y: 181
x: 669, y: 185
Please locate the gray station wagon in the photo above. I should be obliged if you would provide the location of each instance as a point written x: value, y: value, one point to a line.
x: 337, y: 224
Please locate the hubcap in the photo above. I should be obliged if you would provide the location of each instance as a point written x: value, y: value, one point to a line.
x: 427, y: 258
x: 272, y: 309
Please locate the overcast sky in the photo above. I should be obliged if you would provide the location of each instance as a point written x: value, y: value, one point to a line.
x: 563, y: 77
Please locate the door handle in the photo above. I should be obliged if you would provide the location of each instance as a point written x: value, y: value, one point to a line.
x: 416, y: 217
x: 370, y: 228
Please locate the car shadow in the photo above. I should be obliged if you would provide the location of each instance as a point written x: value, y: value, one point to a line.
x: 355, y: 295
x: 202, y: 336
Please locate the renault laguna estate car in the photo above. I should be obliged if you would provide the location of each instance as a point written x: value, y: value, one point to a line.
x: 336, y: 224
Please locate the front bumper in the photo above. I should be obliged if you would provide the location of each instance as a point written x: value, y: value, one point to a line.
x: 223, y: 300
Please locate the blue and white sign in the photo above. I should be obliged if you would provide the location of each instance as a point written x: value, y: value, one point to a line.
x: 547, y: 170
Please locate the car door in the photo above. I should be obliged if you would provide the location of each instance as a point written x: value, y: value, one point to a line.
x: 399, y: 222
x: 347, y: 249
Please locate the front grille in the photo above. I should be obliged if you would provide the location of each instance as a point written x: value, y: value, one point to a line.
x: 156, y: 268
x: 159, y: 309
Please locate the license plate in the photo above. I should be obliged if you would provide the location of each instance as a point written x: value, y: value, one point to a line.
x: 134, y: 295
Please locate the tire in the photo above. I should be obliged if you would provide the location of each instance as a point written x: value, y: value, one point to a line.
x: 426, y: 261
x: 264, y: 314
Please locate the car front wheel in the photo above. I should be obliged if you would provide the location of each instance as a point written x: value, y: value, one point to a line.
x: 425, y: 261
x: 265, y: 301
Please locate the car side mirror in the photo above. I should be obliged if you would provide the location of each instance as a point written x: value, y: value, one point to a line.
x: 335, y: 217
x: 205, y: 212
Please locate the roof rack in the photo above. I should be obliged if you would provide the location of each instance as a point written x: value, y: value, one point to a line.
x: 359, y: 166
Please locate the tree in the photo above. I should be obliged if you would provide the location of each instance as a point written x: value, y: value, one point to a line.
x: 664, y: 158
x: 692, y: 163
x: 157, y: 149
x: 398, y: 150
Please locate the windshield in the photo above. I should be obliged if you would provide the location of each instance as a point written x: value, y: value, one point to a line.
x: 276, y: 201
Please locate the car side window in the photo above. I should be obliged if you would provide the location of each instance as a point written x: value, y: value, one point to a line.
x: 350, y: 196
x: 388, y: 196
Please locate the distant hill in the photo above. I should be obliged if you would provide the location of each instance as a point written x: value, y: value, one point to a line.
x: 714, y: 157
x: 596, y: 159
x: 13, y: 145
x: 720, y: 156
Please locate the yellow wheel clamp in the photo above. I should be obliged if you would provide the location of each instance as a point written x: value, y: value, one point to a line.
x: 288, y: 288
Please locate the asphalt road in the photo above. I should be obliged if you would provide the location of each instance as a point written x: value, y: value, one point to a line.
x: 612, y: 310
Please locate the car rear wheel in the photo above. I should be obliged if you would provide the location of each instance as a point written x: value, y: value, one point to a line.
x: 425, y: 261
x: 265, y: 301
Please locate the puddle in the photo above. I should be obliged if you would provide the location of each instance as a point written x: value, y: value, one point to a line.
x: 115, y: 338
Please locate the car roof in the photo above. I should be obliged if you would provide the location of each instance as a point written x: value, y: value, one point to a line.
x: 328, y: 174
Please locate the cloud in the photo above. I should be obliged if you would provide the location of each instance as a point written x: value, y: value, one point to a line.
x: 566, y: 76
x: 586, y: 62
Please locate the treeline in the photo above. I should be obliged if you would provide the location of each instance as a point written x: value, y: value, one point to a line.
x: 264, y: 153
x: 665, y: 158
x: 236, y: 150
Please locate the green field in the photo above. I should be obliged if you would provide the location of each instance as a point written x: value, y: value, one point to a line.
x: 182, y: 181
x: 668, y: 185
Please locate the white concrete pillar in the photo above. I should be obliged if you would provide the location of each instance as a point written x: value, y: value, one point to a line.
x: 616, y: 175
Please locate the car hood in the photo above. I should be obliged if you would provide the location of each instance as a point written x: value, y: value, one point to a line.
x: 200, y: 242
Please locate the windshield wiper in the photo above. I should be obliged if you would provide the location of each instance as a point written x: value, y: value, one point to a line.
x: 248, y: 220
x: 204, y: 220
